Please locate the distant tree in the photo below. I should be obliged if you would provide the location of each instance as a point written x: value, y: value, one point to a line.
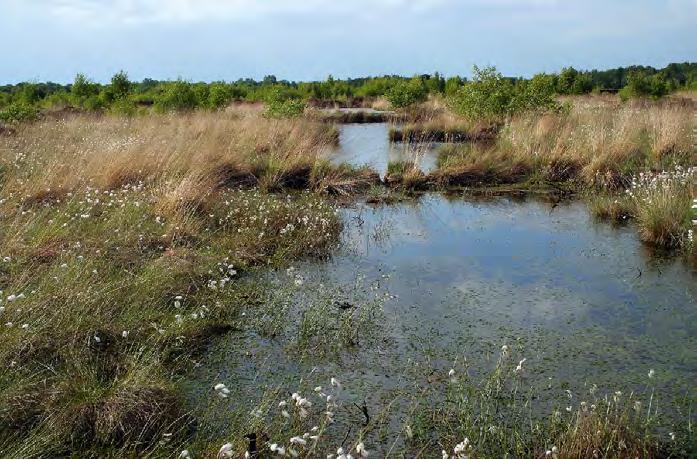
x: 269, y: 80
x: 83, y: 92
x: 435, y: 83
x: 120, y: 85
x: 567, y: 80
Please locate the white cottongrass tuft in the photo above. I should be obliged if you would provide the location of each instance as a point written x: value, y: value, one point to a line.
x: 222, y: 390
x: 225, y: 451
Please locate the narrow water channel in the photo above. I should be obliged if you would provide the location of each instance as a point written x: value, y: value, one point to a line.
x: 369, y: 145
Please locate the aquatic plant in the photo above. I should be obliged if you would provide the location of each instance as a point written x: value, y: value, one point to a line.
x: 458, y: 414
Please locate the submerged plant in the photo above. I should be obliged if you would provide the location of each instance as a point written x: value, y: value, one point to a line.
x: 458, y: 415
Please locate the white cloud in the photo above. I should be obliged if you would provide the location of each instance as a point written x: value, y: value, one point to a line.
x: 139, y: 11
x: 178, y: 11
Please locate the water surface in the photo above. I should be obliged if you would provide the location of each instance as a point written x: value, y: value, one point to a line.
x: 585, y: 303
x: 369, y: 145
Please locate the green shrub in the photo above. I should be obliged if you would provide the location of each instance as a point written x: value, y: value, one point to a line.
x: 535, y: 94
x: 640, y: 84
x: 201, y: 92
x: 285, y: 109
x: 571, y: 81
x: 93, y: 103
x: 453, y: 84
x: 124, y: 107
x: 491, y: 97
x: 29, y: 94
x: 18, y: 112
x: 488, y: 96
x: 280, y: 104
x: 177, y: 96
x: 84, y: 90
x: 220, y: 95
x: 60, y: 99
x: 407, y: 93
x: 120, y: 85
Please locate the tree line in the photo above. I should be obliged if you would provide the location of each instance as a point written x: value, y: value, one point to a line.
x: 121, y: 95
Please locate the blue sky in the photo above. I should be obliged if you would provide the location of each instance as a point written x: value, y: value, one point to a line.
x: 310, y: 39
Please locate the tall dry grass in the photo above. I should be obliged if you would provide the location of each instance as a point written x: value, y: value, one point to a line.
x: 433, y: 120
x: 189, y: 151
x: 603, y: 145
x: 595, y: 141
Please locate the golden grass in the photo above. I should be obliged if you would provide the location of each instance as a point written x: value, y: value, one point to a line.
x: 195, y: 151
x: 598, y: 142
x: 434, y: 121
x: 605, y: 145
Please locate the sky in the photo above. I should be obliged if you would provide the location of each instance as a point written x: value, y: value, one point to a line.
x: 210, y: 40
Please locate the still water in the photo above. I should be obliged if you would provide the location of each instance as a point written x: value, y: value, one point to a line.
x: 585, y: 303
x: 369, y: 145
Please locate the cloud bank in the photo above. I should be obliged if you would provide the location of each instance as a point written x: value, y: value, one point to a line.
x: 183, y: 11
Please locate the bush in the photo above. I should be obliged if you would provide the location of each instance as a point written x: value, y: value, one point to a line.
x: 201, y: 92
x: 219, y: 96
x: 407, y: 93
x: 120, y: 85
x: 29, y: 94
x: 18, y: 112
x: 82, y: 91
x: 640, y: 84
x: 57, y: 99
x: 487, y: 97
x: 282, y: 105
x: 285, y: 109
x: 93, y: 103
x: 535, y: 94
x: 178, y: 96
x: 571, y: 81
x: 491, y: 97
x: 124, y: 107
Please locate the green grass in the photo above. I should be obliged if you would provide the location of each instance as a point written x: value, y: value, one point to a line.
x: 105, y: 299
